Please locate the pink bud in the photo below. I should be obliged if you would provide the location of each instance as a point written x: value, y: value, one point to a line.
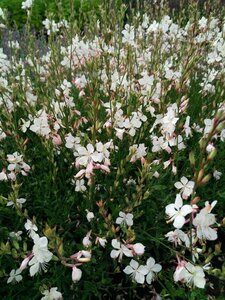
x: 24, y: 263
x: 76, y: 274
x: 139, y: 249
x: 56, y: 139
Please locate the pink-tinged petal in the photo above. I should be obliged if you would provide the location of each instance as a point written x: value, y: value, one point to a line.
x: 186, y: 209
x: 179, y: 222
x: 178, y: 201
x: 128, y: 270
x: 139, y: 278
x: 127, y: 251
x: 184, y: 180
x: 186, y: 192
x: 178, y: 185
x: 80, y: 173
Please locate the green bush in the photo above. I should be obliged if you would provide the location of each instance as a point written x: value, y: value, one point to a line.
x: 42, y: 8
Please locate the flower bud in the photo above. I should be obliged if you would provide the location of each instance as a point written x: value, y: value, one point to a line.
x: 195, y: 200
x: 86, y: 242
x: 84, y: 259
x: 200, y: 175
x: 24, y: 263
x: 212, y: 155
x: 206, y: 179
x: 192, y: 158
x: 76, y: 274
x: 139, y: 249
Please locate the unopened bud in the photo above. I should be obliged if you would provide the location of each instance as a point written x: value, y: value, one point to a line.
x: 76, y: 274
x: 220, y: 127
x: 24, y: 263
x: 212, y: 155
x: 200, y: 175
x: 192, y: 158
x: 195, y: 200
x: 206, y: 179
x: 84, y: 259
x: 202, y: 143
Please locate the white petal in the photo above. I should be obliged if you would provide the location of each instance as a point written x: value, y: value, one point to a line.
x: 170, y: 210
x: 199, y: 282
x: 114, y: 253
x: 143, y: 270
x: 149, y: 277
x: 34, y: 269
x: 178, y: 201
x: 128, y: 270
x: 139, y: 278
x: 134, y: 264
x: 184, y: 180
x: 186, y: 209
x: 157, y: 268
x: 178, y: 185
x: 150, y: 262
x: 179, y: 221
x: 115, y: 243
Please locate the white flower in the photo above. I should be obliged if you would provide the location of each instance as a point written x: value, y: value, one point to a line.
x: 76, y: 274
x: 136, y: 271
x: 87, y: 240
x: 178, y: 211
x: 53, y: 294
x: 41, y: 254
x: 27, y: 4
x: 30, y: 227
x: 102, y: 242
x: 3, y: 176
x: 16, y: 235
x: 125, y: 219
x: 15, y: 276
x: 217, y: 174
x: 121, y: 250
x: 137, y: 151
x: 177, y: 237
x: 203, y: 220
x: 19, y: 202
x: 193, y: 275
x: 80, y: 187
x: 90, y: 215
x: 152, y: 269
x: 87, y: 155
x: 185, y: 186
x: 72, y: 142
